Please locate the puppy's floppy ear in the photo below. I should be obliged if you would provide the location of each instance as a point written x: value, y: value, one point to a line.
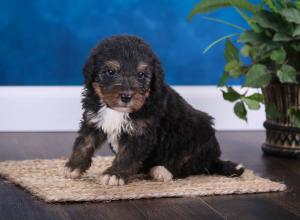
x: 88, y: 70
x: 158, y: 75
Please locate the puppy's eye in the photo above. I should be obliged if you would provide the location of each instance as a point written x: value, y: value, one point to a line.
x: 141, y: 75
x: 109, y: 72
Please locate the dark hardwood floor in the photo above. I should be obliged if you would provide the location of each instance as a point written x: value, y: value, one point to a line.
x: 243, y: 147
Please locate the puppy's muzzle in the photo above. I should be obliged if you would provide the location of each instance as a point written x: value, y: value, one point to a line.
x: 126, y: 97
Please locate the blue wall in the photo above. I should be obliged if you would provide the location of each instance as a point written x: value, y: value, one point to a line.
x: 46, y: 42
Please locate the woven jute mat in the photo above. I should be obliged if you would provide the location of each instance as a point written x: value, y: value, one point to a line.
x: 44, y: 179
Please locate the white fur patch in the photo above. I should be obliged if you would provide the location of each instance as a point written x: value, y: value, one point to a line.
x: 111, y: 180
x: 240, y: 166
x: 112, y: 122
x: 160, y: 173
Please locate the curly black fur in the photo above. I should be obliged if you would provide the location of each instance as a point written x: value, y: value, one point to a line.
x: 167, y: 130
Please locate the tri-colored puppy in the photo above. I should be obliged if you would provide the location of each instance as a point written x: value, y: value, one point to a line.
x: 148, y: 125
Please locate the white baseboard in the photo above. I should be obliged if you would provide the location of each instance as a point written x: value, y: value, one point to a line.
x: 58, y: 108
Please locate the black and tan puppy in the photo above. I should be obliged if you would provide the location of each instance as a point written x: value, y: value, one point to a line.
x: 149, y: 126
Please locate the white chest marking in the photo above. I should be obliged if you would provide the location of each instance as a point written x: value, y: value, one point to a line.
x: 112, y: 123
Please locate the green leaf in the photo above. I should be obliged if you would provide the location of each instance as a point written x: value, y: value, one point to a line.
x: 217, y: 41
x: 281, y: 37
x: 296, y: 46
x: 256, y: 97
x: 257, y: 76
x: 269, y: 45
x: 287, y: 74
x: 240, y: 110
x: 252, y: 104
x: 231, y: 52
x: 270, y: 20
x: 233, y: 68
x: 245, y: 51
x: 224, y: 22
x: 278, y: 55
x: 211, y: 5
x: 271, y: 4
x: 297, y: 3
x: 291, y: 15
x: 231, y: 95
x: 294, y: 117
x: 272, y: 111
x: 259, y: 52
x: 296, y: 32
x: 247, y: 19
x: 223, y: 80
x: 283, y: 3
x: 253, y: 38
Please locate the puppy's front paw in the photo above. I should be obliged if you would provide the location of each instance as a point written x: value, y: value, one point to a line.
x: 160, y: 173
x: 111, y: 180
x: 72, y: 174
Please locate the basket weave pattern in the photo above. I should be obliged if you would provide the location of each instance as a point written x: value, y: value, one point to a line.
x: 44, y: 179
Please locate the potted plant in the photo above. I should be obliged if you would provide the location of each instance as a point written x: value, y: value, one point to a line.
x: 272, y: 44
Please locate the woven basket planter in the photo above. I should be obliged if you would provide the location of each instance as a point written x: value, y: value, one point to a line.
x: 282, y: 138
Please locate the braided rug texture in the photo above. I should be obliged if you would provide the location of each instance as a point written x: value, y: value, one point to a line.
x: 44, y: 179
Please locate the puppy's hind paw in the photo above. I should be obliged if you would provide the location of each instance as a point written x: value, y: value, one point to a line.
x: 111, y: 180
x: 160, y: 173
x: 71, y: 174
x: 239, y: 170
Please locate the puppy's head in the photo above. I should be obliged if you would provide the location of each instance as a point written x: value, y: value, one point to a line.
x: 123, y: 72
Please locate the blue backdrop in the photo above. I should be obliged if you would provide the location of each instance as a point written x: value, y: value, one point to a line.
x: 46, y: 42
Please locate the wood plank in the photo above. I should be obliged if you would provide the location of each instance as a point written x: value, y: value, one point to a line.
x: 179, y: 208
x: 18, y: 204
x: 250, y: 207
x: 42, y: 145
x: 242, y: 147
x: 245, y: 147
x: 17, y: 146
x: 142, y: 209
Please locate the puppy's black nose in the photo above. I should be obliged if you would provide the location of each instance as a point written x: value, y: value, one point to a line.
x: 125, y: 97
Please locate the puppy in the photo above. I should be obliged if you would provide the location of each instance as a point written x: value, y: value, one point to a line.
x: 148, y: 125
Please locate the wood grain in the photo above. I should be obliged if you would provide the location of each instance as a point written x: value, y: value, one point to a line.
x: 243, y: 147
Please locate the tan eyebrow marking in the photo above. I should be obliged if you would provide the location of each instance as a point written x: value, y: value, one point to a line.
x: 142, y: 66
x: 115, y: 65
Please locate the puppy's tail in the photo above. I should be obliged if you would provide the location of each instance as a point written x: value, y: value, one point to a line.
x: 228, y: 168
